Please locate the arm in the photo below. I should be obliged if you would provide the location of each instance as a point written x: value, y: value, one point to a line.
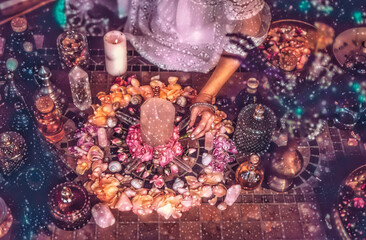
x: 224, y: 70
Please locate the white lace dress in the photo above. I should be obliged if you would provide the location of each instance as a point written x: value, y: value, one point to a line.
x: 190, y: 35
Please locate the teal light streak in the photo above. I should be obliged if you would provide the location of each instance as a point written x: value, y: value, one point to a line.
x: 59, y: 13
x: 358, y: 17
x: 304, y: 6
x: 362, y: 98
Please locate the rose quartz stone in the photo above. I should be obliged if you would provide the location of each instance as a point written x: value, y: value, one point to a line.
x: 157, y: 121
x: 124, y: 203
x: 102, y: 215
x: 232, y: 194
x: 102, y: 137
x: 209, y: 141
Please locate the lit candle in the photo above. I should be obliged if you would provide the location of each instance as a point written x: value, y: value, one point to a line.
x: 115, y: 50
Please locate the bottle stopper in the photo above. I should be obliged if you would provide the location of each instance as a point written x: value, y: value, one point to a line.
x: 254, y: 159
x: 19, y: 24
x: 66, y: 195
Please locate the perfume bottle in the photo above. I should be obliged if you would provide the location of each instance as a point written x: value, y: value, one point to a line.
x: 12, y: 152
x: 47, y: 88
x: 69, y: 205
x: 249, y: 95
x: 49, y: 120
x: 80, y: 88
x: 249, y: 174
x: 255, y: 126
x: 11, y: 93
x: 286, y: 164
x: 31, y: 62
x: 19, y: 36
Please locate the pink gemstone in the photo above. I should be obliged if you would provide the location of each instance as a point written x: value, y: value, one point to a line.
x: 124, y: 203
x: 209, y: 141
x: 102, y: 137
x: 232, y: 194
x: 38, y: 40
x: 102, y: 215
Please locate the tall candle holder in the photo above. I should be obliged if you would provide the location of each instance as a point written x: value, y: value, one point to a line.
x: 115, y: 50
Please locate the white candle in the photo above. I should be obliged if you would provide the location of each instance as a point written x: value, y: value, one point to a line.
x: 115, y: 51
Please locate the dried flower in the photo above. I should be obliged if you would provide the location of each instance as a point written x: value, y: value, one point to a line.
x: 140, y: 168
x: 221, y: 153
x: 174, y: 169
x: 106, y: 189
x: 83, y: 165
x: 118, y: 129
x: 122, y: 157
x: 158, y: 181
x: 116, y: 141
x: 142, y: 151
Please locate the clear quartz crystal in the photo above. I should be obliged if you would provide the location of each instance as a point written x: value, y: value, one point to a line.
x: 157, y: 121
x: 80, y: 88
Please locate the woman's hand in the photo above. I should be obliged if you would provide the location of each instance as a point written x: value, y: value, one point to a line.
x: 206, y: 113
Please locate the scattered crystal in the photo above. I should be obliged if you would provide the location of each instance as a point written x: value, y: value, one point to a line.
x: 102, y: 215
x: 80, y: 88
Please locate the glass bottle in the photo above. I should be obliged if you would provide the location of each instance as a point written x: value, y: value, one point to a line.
x: 19, y: 36
x: 80, y: 88
x: 255, y: 126
x: 73, y: 49
x: 47, y: 88
x: 31, y: 62
x: 11, y: 92
x: 12, y: 152
x: 21, y: 120
x: 249, y: 174
x: 49, y: 120
x: 69, y: 205
x: 249, y: 95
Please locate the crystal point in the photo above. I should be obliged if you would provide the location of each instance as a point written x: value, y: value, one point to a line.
x: 232, y: 194
x: 103, y: 216
x: 80, y: 88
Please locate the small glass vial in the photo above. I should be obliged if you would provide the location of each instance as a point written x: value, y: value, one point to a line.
x: 80, y: 88
x: 249, y: 95
x: 73, y: 49
x: 249, y: 174
x: 19, y: 36
x: 49, y: 120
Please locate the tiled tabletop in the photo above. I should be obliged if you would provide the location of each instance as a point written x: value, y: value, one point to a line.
x: 258, y: 214
x: 301, y: 213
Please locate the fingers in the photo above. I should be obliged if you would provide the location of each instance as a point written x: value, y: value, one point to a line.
x: 203, y: 126
x: 193, y: 118
x: 207, y: 127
